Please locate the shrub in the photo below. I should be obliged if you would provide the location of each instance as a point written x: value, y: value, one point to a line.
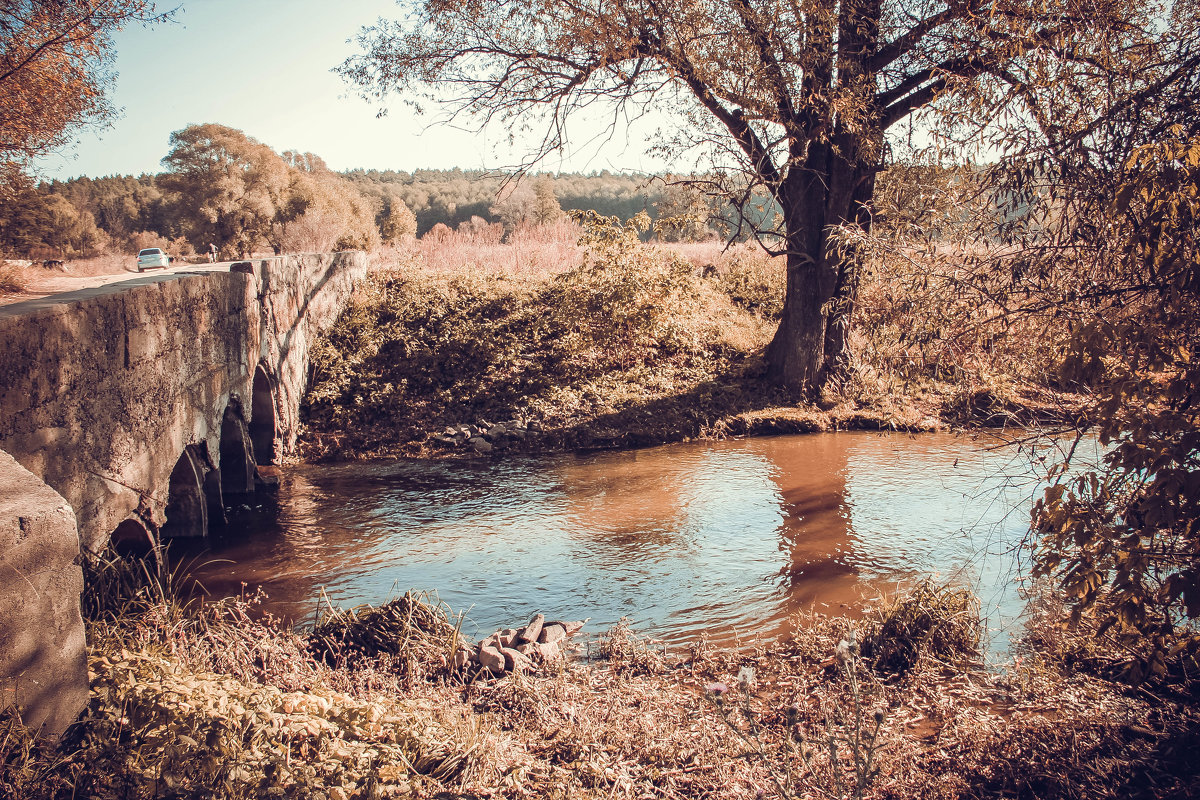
x: 12, y: 279
x: 930, y: 620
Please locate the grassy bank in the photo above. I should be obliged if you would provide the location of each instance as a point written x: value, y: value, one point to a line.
x: 611, y: 343
x: 214, y: 702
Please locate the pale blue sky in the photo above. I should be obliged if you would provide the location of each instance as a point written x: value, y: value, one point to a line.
x: 263, y: 66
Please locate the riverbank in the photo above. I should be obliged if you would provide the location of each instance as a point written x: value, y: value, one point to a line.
x: 627, y: 345
x: 215, y: 702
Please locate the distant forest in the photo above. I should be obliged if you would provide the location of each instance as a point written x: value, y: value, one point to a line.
x: 86, y: 216
x: 452, y: 197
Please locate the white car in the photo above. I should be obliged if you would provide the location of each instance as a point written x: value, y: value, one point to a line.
x: 152, y: 257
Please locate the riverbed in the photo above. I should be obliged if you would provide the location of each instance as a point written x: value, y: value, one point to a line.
x: 728, y: 539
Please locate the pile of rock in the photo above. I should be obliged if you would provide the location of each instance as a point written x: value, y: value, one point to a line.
x: 484, y: 436
x: 519, y: 649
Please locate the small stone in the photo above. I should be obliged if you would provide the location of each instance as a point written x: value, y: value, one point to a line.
x: 552, y: 633
x: 491, y: 641
x: 507, y: 637
x: 571, y: 628
x: 533, y: 630
x: 496, y: 431
x: 515, y: 661
x: 480, y: 444
x: 491, y: 658
x: 463, y: 657
x: 516, y: 433
x: 528, y: 648
x: 549, y: 651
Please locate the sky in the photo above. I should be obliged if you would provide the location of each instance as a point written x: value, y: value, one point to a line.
x: 264, y: 67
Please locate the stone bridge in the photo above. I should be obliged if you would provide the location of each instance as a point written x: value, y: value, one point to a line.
x: 133, y: 413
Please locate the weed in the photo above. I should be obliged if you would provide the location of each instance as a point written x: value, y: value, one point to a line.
x: 839, y: 762
x: 415, y: 629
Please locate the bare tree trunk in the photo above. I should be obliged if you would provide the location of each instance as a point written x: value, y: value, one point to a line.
x: 806, y: 345
x: 845, y: 293
x: 796, y: 356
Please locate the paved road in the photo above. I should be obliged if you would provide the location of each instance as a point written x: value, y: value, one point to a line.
x: 65, y: 289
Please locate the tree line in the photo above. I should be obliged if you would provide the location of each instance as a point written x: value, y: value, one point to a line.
x: 223, y: 188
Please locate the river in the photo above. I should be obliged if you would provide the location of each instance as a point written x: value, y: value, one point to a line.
x: 728, y: 538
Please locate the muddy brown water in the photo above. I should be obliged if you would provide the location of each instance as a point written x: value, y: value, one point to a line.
x: 727, y: 538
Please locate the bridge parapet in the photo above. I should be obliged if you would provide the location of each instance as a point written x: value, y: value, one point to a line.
x: 104, y: 398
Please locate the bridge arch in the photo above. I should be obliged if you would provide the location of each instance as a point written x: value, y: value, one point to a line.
x: 188, y: 495
x: 264, y: 422
x: 134, y: 537
x: 238, y: 467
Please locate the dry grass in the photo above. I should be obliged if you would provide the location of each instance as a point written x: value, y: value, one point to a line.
x: 217, y: 702
x: 12, y: 279
x: 107, y: 264
x: 928, y: 621
x: 415, y: 632
x: 484, y: 251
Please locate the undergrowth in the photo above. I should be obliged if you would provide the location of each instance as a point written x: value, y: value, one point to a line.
x: 629, y: 346
x: 632, y: 344
x: 217, y: 700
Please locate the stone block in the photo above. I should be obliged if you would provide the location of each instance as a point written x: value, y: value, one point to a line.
x: 552, y: 633
x: 533, y: 630
x: 515, y: 661
x: 43, y: 662
x: 491, y: 658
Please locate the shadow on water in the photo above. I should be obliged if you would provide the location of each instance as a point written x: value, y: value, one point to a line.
x: 730, y: 538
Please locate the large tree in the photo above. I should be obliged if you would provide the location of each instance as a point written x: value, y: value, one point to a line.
x: 789, y: 100
x: 228, y: 188
x: 55, y: 59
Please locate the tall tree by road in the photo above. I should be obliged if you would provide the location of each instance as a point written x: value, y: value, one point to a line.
x: 55, y: 60
x: 228, y: 188
x: 788, y: 99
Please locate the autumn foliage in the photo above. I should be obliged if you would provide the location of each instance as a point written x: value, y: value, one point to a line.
x: 54, y: 69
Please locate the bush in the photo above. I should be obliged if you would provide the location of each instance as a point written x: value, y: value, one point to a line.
x: 753, y: 280
x: 930, y: 620
x: 12, y: 279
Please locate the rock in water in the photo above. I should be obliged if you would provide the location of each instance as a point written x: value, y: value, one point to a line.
x: 533, y: 630
x: 552, y: 633
x: 571, y: 628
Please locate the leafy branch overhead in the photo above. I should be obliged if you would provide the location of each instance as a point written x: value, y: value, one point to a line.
x: 55, y: 60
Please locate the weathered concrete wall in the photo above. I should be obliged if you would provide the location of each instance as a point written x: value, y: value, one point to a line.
x: 43, y: 669
x: 100, y: 397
